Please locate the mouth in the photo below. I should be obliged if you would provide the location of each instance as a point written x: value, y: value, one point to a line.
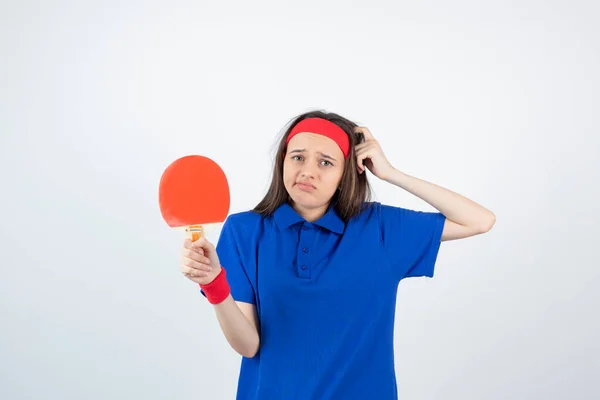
x: 305, y: 186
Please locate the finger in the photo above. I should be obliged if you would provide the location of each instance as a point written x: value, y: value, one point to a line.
x: 202, y: 243
x: 359, y: 159
x: 188, y: 244
x: 359, y: 163
x: 366, y: 146
x: 367, y: 133
x: 195, y: 255
x: 197, y: 246
x: 188, y: 248
x: 362, y: 156
x: 191, y: 272
x: 361, y: 146
x: 196, y: 265
x: 189, y: 263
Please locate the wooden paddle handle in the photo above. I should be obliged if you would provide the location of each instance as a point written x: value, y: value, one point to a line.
x: 194, y: 232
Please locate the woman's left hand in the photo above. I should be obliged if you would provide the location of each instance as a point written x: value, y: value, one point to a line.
x: 370, y: 155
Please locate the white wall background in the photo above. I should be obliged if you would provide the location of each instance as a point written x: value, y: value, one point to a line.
x: 496, y: 100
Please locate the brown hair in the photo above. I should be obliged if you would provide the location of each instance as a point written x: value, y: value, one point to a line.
x: 354, y: 189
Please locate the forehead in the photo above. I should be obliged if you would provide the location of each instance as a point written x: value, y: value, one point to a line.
x: 313, y: 141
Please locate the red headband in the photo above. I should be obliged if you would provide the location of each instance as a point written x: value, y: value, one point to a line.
x: 323, y: 127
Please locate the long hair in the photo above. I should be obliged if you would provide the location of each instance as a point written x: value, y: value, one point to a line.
x: 354, y: 191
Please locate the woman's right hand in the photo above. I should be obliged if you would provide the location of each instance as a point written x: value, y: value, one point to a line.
x: 199, y: 261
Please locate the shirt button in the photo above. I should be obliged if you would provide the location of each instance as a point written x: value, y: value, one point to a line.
x: 303, y: 267
x: 304, y: 227
x: 305, y: 250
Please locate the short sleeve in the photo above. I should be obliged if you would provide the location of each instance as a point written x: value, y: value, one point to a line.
x: 411, y: 239
x: 231, y: 260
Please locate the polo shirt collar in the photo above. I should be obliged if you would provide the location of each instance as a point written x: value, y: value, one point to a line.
x: 285, y: 216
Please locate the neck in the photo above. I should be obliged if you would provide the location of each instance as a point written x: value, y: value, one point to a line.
x: 310, y: 214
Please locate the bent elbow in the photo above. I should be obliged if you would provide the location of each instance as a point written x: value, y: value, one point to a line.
x: 250, y: 354
x: 489, y: 224
x: 251, y: 350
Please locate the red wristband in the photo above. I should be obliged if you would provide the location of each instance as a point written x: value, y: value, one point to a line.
x: 218, y: 289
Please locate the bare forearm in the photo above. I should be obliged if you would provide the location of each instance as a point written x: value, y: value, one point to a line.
x: 454, y: 206
x: 239, y: 332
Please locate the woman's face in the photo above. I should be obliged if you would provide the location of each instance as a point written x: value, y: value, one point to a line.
x: 312, y: 171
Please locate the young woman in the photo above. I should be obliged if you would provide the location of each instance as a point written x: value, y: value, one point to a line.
x: 304, y: 286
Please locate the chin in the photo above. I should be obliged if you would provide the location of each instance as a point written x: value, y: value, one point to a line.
x: 306, y: 201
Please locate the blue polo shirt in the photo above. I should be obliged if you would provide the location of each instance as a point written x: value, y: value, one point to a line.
x: 325, y: 294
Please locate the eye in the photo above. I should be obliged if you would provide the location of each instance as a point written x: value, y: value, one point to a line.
x: 296, y: 158
x: 328, y: 163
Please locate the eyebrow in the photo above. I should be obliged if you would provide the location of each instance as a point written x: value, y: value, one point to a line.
x: 322, y: 154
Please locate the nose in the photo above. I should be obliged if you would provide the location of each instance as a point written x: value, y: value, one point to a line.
x: 308, y: 170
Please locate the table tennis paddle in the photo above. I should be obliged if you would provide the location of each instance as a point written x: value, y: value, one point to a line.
x: 193, y: 191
